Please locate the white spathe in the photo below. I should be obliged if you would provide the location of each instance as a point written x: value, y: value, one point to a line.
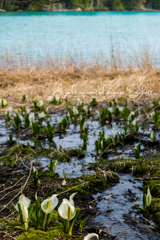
x: 67, y: 210
x: 50, y: 99
x: 79, y: 102
x: 71, y: 198
x: 59, y: 119
x: 110, y: 109
x: 40, y: 103
x: 9, y: 110
x: 24, y: 212
x: 41, y: 115
x: 64, y: 182
x: 75, y: 111
x: 26, y: 201
x: 31, y: 117
x: 20, y: 117
x: 134, y: 123
x: 152, y: 135
x: 90, y: 235
x: 3, y: 101
x: 49, y: 205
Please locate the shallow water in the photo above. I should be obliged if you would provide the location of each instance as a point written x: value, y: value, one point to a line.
x: 86, y: 36
x: 118, y: 216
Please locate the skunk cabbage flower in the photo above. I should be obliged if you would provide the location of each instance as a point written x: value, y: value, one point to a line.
x: 20, y: 117
x: 75, y: 111
x: 149, y: 197
x: 59, y: 119
x: 134, y: 123
x: 9, y: 110
x: 68, y: 114
x: 66, y: 210
x: 24, y: 212
x: 110, y: 109
x: 3, y: 102
x: 49, y: 205
x: 41, y: 115
x: 152, y: 136
x: 135, y: 146
x: 31, y: 117
x: 90, y: 235
x: 130, y: 115
x: 28, y: 111
x: 40, y: 103
x: 26, y: 201
x: 85, y: 108
x: 120, y: 109
x: 64, y: 182
x: 98, y: 112
x: 57, y: 99
x: 50, y: 99
x: 71, y: 199
x: 79, y: 102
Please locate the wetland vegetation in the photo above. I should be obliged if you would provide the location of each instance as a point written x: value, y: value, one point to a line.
x: 63, y: 160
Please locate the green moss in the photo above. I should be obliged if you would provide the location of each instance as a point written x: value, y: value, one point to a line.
x: 77, y: 152
x: 62, y: 157
x: 56, y: 232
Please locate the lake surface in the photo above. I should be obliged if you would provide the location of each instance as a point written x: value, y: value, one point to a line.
x: 78, y: 36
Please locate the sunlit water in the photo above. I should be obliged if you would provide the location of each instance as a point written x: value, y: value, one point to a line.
x: 83, y: 36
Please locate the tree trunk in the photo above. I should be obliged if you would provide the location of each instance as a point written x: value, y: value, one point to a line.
x: 92, y: 3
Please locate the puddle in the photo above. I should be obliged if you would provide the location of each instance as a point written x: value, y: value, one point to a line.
x: 117, y: 214
x: 73, y: 169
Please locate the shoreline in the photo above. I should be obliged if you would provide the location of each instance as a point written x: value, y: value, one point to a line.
x: 78, y: 10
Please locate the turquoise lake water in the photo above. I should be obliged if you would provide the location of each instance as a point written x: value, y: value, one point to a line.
x: 81, y: 36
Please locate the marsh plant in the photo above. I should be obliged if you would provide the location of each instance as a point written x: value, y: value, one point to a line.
x: 97, y: 146
x: 25, y: 210
x: 3, y: 103
x: 134, y: 126
x: 68, y: 214
x: 10, y: 136
x: 93, y: 102
x: 36, y: 177
x: 125, y: 113
x: 80, y: 104
x: 152, y: 136
x: 44, y: 212
x: 137, y: 150
x: 155, y: 118
x: 49, y: 131
x: 87, y: 110
x: 24, y: 98
x: 38, y: 105
x: 103, y: 115
x: 84, y: 136
x: 52, y: 166
x: 82, y: 122
x: 63, y: 123
x: 147, y: 199
x: 105, y: 144
x: 8, y: 114
x: 54, y: 100
x: 37, y: 131
x: 10, y: 161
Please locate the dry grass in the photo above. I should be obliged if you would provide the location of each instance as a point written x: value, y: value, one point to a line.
x: 41, y: 83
